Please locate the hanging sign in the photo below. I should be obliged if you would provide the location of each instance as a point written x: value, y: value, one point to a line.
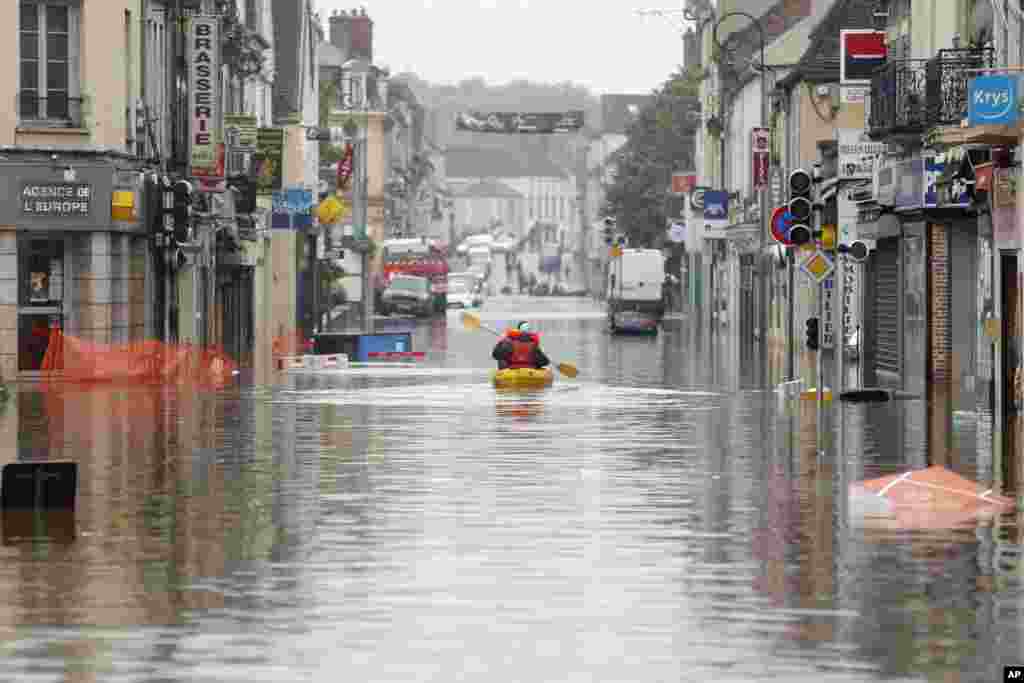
x: 857, y: 154
x: 992, y: 100
x: 683, y: 182
x: 759, y: 146
x: 203, y: 95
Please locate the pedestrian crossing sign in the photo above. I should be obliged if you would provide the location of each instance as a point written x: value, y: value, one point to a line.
x: 818, y: 266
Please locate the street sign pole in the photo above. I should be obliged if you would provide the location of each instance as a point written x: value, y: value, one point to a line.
x: 819, y: 374
x: 839, y: 346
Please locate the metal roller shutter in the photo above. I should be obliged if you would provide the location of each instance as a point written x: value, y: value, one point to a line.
x: 887, y: 306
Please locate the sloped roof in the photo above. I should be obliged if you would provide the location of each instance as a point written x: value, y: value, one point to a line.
x: 474, y: 162
x: 820, y: 63
x: 619, y: 111
x: 488, y: 188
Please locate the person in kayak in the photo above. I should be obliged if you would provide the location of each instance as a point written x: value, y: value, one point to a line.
x: 520, y: 348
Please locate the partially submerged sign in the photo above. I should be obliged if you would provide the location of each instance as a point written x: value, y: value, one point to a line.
x: 38, y: 485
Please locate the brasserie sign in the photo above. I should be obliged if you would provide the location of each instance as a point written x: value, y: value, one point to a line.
x: 56, y: 199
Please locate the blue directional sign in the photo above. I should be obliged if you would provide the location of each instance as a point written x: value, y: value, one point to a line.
x: 992, y: 100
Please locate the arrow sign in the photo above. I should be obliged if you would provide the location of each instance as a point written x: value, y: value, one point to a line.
x: 782, y: 221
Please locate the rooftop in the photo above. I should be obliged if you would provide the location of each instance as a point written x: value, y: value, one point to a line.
x: 488, y: 188
x: 474, y: 162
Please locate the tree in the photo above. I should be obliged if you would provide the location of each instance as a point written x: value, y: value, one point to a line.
x: 659, y: 142
x: 329, y: 152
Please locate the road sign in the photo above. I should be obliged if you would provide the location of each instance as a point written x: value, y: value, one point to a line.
x: 818, y: 266
x: 697, y: 199
x: 775, y: 185
x: 780, y: 224
x: 677, y: 233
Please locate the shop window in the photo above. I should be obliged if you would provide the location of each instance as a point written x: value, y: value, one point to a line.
x: 41, y: 273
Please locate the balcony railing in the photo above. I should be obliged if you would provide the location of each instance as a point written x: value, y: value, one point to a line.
x: 909, y: 96
x: 948, y: 76
x: 54, y: 111
x: 898, y: 102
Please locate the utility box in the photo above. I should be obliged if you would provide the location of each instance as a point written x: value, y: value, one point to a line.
x: 394, y: 342
x: 335, y: 342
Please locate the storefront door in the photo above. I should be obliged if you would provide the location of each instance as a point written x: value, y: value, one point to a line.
x: 41, y: 301
x: 1013, y: 381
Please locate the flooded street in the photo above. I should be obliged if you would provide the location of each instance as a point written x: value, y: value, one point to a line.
x: 649, y: 520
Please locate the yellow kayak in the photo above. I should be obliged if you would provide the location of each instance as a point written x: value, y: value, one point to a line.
x: 523, y: 377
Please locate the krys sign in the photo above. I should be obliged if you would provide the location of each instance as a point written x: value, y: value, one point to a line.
x: 992, y: 100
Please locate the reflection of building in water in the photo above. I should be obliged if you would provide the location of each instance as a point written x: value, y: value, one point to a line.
x: 150, y: 515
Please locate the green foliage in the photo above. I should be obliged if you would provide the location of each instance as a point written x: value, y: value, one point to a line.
x: 659, y: 142
x: 329, y: 153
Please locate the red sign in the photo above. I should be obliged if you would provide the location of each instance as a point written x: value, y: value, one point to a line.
x: 780, y: 224
x: 983, y: 177
x: 683, y: 183
x: 760, y: 141
x: 861, y: 52
x: 345, y: 168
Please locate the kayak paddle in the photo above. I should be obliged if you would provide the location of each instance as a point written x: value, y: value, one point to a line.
x: 471, y: 322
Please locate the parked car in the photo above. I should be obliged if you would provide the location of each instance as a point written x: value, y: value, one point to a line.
x: 461, y: 294
x: 474, y: 283
x: 408, y: 294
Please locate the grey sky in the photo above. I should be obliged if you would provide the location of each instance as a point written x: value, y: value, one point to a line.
x: 601, y: 44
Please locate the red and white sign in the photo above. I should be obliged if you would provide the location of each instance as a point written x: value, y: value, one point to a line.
x: 780, y: 224
x: 861, y: 51
x: 683, y: 183
x: 760, y: 142
x: 204, y: 95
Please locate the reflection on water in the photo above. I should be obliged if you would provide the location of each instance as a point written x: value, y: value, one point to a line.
x: 633, y: 524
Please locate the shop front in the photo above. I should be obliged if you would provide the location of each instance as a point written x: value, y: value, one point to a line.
x: 75, y: 254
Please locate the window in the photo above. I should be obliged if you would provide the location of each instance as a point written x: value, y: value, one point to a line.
x: 42, y: 272
x: 48, y: 62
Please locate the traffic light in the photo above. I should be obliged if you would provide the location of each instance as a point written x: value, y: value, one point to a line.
x: 813, y: 334
x: 245, y: 198
x: 800, y: 207
x: 182, y: 211
x: 609, y: 230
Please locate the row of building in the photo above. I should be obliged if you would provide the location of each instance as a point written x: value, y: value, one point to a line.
x: 935, y: 308
x: 227, y: 95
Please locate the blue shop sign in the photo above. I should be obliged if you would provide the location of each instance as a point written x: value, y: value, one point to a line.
x: 992, y: 100
x: 716, y: 205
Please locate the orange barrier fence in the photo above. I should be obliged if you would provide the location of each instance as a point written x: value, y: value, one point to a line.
x: 77, y: 360
x: 294, y: 344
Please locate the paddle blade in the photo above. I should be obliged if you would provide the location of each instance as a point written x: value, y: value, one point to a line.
x: 567, y: 369
x: 470, y: 321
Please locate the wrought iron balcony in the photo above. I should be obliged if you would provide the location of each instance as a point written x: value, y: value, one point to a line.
x: 948, y: 76
x: 898, y: 99
x: 53, y: 111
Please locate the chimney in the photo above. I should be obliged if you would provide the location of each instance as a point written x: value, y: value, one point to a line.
x: 361, y: 36
x: 339, y: 33
x: 352, y: 33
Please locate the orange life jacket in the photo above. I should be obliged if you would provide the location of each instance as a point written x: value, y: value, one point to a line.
x: 523, y: 348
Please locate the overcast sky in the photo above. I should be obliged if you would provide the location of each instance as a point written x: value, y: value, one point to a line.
x: 601, y: 44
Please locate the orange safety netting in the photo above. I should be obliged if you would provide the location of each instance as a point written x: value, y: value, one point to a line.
x: 77, y: 360
x: 294, y: 344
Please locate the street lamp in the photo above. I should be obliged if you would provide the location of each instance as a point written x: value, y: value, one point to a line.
x: 762, y: 263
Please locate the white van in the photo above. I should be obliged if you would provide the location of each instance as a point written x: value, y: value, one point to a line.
x: 635, y: 294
